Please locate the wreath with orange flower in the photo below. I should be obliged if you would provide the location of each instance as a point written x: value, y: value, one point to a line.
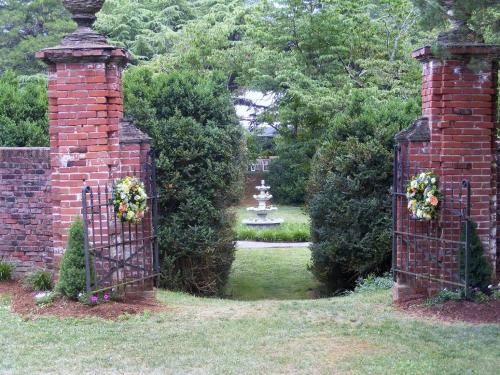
x: 423, y: 196
x: 130, y: 199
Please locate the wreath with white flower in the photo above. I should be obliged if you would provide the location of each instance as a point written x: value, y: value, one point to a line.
x: 423, y: 196
x: 130, y: 199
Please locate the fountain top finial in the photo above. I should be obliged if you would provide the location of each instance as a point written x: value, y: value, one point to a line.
x: 83, y: 12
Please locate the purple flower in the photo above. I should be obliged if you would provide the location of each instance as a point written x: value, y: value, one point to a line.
x: 93, y: 299
x: 106, y: 297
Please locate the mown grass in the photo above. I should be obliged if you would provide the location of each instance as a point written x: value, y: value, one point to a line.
x: 271, y: 274
x: 296, y: 227
x: 356, y: 334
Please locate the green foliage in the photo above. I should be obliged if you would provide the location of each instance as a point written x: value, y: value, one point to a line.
x: 479, y: 15
x: 71, y: 280
x: 349, y: 188
x: 286, y: 232
x: 480, y: 271
x: 28, y: 26
x: 23, y: 111
x: 480, y: 297
x: 47, y: 299
x: 350, y: 211
x: 147, y: 28
x: 6, y: 270
x: 373, y: 283
x: 40, y: 279
x: 199, y: 147
x: 445, y: 295
x: 289, y: 173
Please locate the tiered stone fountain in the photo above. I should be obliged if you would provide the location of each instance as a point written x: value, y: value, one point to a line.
x: 262, y: 221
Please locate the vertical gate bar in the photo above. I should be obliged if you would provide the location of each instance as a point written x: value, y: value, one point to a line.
x: 108, y: 226
x: 394, y: 209
x: 99, y: 216
x: 131, y: 249
x: 467, y: 239
x: 140, y: 241
x: 117, y: 250
x: 122, y: 263
x: 156, y: 256
x: 85, y: 190
x: 92, y: 219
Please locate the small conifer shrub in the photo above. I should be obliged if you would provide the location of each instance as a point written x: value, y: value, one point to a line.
x: 72, y: 270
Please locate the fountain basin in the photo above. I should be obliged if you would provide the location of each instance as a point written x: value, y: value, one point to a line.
x: 263, y: 224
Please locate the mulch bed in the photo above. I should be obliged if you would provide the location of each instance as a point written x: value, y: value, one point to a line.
x: 24, y: 304
x: 452, y: 311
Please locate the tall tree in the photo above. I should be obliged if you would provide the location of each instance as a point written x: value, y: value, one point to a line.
x: 146, y: 27
x: 469, y: 19
x: 27, y: 26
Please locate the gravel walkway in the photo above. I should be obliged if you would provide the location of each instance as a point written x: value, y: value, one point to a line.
x: 265, y: 245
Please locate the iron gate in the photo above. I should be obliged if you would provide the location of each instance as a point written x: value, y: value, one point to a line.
x: 431, y: 253
x: 119, y: 254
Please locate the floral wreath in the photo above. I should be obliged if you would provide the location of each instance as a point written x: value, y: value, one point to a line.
x: 130, y: 199
x: 423, y: 196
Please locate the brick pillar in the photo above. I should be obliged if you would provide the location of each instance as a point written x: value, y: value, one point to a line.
x: 459, y: 102
x: 459, y: 97
x: 85, y: 110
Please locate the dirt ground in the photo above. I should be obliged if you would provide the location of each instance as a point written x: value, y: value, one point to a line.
x: 466, y: 311
x: 24, y: 304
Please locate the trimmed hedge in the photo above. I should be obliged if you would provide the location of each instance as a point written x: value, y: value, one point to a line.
x: 199, y: 146
x: 350, y: 212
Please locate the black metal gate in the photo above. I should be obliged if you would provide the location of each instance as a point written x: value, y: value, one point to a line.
x: 431, y: 253
x: 119, y: 254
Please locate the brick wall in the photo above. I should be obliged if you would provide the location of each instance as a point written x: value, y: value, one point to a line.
x: 25, y: 208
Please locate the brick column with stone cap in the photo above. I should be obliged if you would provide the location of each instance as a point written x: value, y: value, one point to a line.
x: 85, y: 110
x: 459, y: 106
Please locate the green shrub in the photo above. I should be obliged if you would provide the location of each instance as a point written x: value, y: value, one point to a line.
x: 199, y: 146
x: 350, y: 212
x: 38, y: 280
x: 480, y: 271
x: 6, y: 271
x: 286, y: 232
x: 71, y: 280
x: 445, y: 295
x: 23, y: 111
x: 373, y: 283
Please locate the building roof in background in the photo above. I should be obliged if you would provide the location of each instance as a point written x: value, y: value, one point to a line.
x: 249, y: 104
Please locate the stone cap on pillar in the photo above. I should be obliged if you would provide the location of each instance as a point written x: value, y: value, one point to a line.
x: 130, y: 134
x: 84, y: 44
x: 417, y: 132
x: 458, y: 50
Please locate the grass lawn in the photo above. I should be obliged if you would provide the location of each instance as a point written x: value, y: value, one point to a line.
x: 357, y: 334
x: 271, y: 274
x: 294, y: 229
